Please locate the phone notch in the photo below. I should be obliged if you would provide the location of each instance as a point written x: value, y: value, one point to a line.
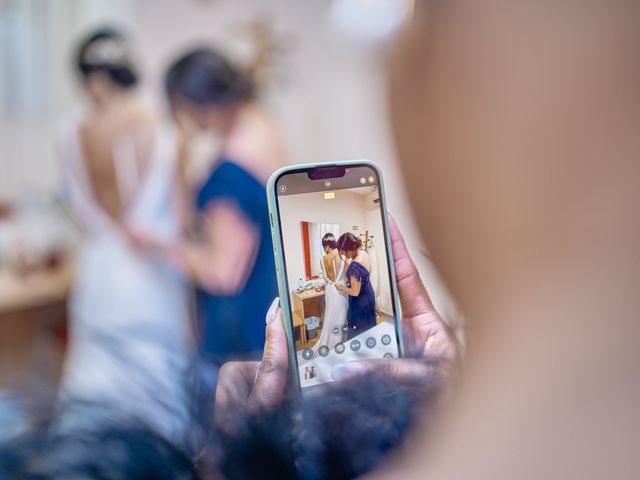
x: 327, y: 171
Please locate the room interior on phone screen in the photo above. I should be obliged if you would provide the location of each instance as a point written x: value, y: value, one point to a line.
x: 313, y: 270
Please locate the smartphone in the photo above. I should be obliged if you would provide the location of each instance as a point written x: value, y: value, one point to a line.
x: 335, y: 267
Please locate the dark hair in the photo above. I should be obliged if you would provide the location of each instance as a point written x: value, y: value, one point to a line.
x: 107, y: 51
x: 109, y: 453
x: 344, y: 433
x: 329, y: 241
x: 348, y: 241
x: 205, y: 77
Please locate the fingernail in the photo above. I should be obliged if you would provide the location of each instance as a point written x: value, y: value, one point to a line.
x: 343, y: 371
x: 273, y: 309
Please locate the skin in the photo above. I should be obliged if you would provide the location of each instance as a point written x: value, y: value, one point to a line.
x: 516, y: 126
x: 116, y: 115
x: 251, y: 140
x: 517, y: 130
x: 255, y: 385
x: 329, y: 261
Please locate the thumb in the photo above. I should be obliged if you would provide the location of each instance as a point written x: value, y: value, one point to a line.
x: 413, y: 295
x: 271, y: 379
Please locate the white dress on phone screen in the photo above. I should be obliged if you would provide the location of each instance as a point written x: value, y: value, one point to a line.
x: 335, y: 310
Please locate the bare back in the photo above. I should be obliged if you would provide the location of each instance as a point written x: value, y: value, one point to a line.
x: 100, y: 136
x: 330, y: 265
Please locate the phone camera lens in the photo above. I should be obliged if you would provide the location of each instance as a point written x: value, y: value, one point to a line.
x: 283, y: 188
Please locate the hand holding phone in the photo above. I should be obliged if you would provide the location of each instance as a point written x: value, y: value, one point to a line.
x: 336, y: 270
x: 246, y: 385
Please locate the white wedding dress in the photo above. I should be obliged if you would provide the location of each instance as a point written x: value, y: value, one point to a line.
x: 336, y: 307
x: 332, y: 332
x: 335, y: 311
x: 129, y: 337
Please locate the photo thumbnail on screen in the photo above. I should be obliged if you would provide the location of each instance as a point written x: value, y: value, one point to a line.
x: 337, y: 271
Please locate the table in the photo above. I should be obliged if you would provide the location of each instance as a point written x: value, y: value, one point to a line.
x: 32, y: 307
x: 308, y: 303
x: 18, y: 293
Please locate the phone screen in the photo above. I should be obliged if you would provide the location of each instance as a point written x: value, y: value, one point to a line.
x: 337, y: 270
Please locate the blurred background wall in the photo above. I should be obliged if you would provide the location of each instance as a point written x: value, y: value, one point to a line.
x: 326, y: 86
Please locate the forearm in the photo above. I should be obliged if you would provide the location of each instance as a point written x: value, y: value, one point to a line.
x: 205, y: 269
x: 351, y: 291
x: 215, y: 263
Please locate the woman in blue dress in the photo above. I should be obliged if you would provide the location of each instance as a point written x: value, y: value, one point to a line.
x: 362, y: 301
x: 232, y: 260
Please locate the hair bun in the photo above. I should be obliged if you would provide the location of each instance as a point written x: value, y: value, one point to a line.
x: 348, y: 241
x: 107, y: 51
x: 204, y: 76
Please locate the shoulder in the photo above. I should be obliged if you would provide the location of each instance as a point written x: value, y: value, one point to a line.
x: 128, y: 121
x: 257, y: 144
x: 356, y: 268
x: 217, y: 184
x: 230, y: 175
x: 140, y: 119
x: 230, y: 182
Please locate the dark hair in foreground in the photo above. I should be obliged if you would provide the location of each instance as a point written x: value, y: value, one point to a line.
x: 348, y: 242
x: 344, y: 431
x: 119, y: 452
x: 107, y: 51
x: 329, y: 241
x: 340, y: 432
x: 205, y: 77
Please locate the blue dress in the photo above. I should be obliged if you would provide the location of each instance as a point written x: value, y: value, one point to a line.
x: 362, y: 309
x: 234, y: 326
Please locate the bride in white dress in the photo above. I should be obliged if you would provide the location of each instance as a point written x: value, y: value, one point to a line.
x: 130, y: 343
x: 334, y: 322
x: 336, y: 303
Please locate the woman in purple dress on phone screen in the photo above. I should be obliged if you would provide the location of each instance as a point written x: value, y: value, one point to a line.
x: 362, y: 301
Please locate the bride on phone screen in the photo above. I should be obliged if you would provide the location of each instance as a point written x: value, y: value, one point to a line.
x: 336, y: 302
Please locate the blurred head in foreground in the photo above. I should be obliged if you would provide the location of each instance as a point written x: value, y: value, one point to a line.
x: 341, y: 434
x: 517, y: 126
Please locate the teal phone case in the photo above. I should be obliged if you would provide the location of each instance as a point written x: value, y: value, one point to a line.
x: 285, y: 301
